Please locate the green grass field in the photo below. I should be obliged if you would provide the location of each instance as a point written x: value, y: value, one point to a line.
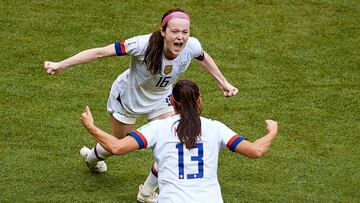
x: 297, y: 62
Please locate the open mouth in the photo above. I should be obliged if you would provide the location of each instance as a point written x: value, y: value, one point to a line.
x: 178, y: 45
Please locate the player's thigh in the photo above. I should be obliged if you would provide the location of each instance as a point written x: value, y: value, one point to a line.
x: 120, y: 129
x: 163, y: 116
x: 161, y: 112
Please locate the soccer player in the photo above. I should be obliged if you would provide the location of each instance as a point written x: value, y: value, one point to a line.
x: 157, y: 60
x: 185, y: 146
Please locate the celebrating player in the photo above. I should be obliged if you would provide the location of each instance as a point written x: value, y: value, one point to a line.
x: 157, y: 60
x: 185, y: 146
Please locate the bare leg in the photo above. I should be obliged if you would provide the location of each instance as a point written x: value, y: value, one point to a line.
x: 120, y: 129
x: 163, y: 116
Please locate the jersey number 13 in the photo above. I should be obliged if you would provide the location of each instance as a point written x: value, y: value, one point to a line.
x: 198, y: 158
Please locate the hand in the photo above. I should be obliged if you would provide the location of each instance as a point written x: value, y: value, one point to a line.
x: 87, y: 119
x: 272, y: 126
x: 52, y: 67
x: 229, y: 90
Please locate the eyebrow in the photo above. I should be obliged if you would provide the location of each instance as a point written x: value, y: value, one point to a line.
x: 176, y: 29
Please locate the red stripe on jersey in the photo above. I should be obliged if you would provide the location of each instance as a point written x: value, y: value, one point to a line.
x: 142, y: 137
x: 122, y: 46
x: 228, y: 145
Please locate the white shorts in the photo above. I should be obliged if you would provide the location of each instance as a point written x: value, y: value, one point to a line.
x: 119, y: 113
x: 116, y: 109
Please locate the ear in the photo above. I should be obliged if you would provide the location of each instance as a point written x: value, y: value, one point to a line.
x: 199, y: 101
x: 172, y: 101
x: 162, y: 31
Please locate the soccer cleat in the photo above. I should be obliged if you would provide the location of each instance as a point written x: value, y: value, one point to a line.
x: 96, y: 167
x: 146, y: 195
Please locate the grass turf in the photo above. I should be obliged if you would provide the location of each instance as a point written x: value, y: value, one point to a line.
x: 294, y: 61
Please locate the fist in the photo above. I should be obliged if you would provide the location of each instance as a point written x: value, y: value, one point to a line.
x: 86, y: 118
x: 272, y: 126
x: 229, y: 90
x: 52, y: 67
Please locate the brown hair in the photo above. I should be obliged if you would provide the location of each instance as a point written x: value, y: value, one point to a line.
x: 153, y: 54
x: 186, y: 96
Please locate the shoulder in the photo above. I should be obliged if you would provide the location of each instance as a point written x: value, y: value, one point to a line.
x: 210, y: 122
x: 193, y: 47
x: 213, y: 126
x: 140, y: 39
x: 136, y: 44
x: 193, y: 42
x: 158, y: 124
x: 145, y: 37
x: 151, y: 124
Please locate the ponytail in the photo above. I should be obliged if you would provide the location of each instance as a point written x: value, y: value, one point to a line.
x: 153, y: 54
x: 186, y: 102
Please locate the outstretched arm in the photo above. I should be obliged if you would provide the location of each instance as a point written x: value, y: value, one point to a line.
x: 209, y: 64
x: 261, y: 146
x: 86, y: 56
x: 110, y: 143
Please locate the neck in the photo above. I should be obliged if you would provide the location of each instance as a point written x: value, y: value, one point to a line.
x: 169, y: 56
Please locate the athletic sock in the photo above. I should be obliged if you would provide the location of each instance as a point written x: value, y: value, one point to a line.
x: 101, y: 152
x: 98, y: 153
x: 152, y: 180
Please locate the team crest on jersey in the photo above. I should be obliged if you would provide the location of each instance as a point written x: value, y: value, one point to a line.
x: 168, y: 69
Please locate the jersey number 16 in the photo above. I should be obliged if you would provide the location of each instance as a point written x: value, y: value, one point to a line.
x: 163, y: 81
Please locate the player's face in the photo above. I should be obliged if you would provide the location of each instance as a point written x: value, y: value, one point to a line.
x: 175, y: 36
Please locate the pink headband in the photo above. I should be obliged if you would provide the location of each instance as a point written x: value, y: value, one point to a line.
x: 177, y: 14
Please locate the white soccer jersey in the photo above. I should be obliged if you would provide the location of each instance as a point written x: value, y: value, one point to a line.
x: 143, y: 91
x: 187, y: 175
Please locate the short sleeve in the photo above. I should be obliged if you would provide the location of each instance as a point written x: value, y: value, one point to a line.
x: 120, y: 48
x: 229, y: 139
x: 196, y: 50
x: 132, y: 46
x: 145, y: 136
